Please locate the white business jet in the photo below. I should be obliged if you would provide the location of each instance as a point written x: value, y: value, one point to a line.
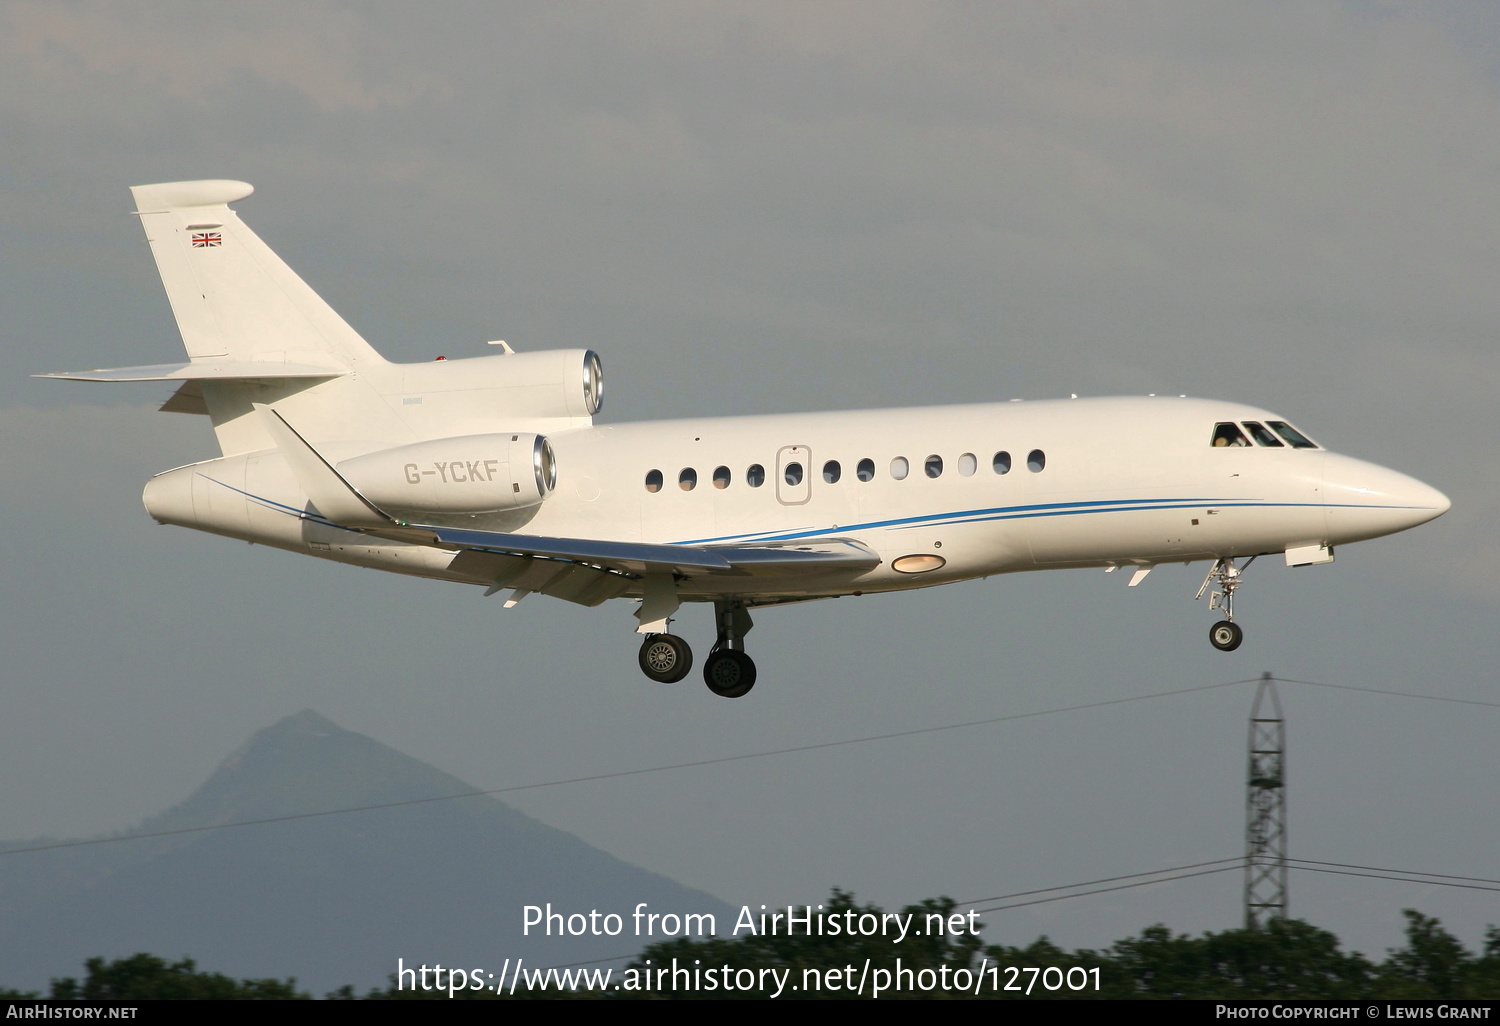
x: 490, y: 471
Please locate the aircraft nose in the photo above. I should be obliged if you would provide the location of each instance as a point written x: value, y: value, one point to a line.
x: 1366, y: 501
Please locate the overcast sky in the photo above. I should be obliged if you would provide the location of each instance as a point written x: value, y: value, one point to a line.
x: 751, y: 207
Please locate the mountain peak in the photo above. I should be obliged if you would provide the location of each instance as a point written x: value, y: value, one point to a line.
x: 308, y: 721
x: 303, y: 764
x: 304, y: 885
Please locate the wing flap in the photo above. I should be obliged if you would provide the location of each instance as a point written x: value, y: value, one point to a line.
x: 630, y: 557
x: 771, y: 559
x: 778, y: 558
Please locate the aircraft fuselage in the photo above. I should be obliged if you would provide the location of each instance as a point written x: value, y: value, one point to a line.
x: 969, y: 490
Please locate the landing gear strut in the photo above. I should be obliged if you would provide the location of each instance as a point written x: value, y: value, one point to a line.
x: 1225, y: 635
x: 728, y: 671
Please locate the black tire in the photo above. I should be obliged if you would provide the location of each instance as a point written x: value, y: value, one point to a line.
x: 665, y: 658
x: 729, y: 674
x: 1226, y: 635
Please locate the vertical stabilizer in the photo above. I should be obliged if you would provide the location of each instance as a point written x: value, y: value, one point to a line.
x: 239, y: 305
x: 232, y: 297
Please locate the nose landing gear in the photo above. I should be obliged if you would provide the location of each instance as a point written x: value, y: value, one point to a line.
x: 1225, y: 635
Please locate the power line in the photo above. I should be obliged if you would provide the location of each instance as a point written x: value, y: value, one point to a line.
x: 1118, y: 887
x: 619, y: 773
x: 1408, y: 872
x: 1159, y: 877
x: 1398, y: 694
x: 711, y: 762
x: 1399, y: 879
x: 1343, y: 869
x: 1106, y: 879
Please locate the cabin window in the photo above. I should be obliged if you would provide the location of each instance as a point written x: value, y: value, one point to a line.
x: 1036, y: 461
x: 900, y: 468
x: 1296, y: 439
x: 1001, y: 463
x: 688, y: 479
x: 792, y: 475
x: 653, y: 481
x: 967, y: 464
x: 866, y: 470
x: 1229, y: 435
x: 832, y: 472
x: 755, y: 476
x: 721, y: 477
x: 934, y: 466
x: 1261, y: 435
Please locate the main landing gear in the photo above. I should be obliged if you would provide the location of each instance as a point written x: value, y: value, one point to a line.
x: 728, y: 671
x: 665, y: 658
x: 1225, y: 635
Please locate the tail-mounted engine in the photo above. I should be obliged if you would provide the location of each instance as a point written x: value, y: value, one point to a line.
x: 467, y: 474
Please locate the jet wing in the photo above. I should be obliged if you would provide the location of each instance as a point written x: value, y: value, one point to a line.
x: 636, y: 558
x: 633, y: 558
x: 342, y: 503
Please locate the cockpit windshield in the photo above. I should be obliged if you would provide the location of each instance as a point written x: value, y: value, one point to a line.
x: 1261, y: 435
x: 1228, y: 434
x: 1296, y: 439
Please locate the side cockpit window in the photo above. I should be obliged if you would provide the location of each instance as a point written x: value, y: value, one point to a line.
x: 1296, y: 439
x: 1229, y: 434
x: 1261, y: 435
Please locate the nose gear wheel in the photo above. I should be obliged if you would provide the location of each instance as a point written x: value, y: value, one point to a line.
x: 1226, y: 636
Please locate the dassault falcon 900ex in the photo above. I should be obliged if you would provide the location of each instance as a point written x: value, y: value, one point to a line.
x: 490, y: 471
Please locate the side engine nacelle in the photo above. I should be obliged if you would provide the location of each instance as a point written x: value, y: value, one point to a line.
x: 563, y: 387
x: 466, y: 474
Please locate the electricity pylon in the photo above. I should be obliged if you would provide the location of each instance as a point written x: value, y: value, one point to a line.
x: 1265, y: 810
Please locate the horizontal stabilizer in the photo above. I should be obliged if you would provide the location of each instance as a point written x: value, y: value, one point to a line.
x: 203, y: 370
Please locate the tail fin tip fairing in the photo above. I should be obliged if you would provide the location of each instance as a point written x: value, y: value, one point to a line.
x: 164, y: 196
